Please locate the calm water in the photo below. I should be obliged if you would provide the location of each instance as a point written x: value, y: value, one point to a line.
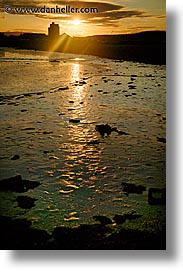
x: 78, y: 179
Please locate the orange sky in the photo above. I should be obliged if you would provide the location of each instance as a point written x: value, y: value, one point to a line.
x: 113, y: 17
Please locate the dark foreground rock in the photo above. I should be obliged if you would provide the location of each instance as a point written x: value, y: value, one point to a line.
x: 157, y: 196
x: 107, y: 129
x: 17, y: 184
x: 132, y: 188
x: 26, y: 202
x: 18, y: 234
x: 119, y: 219
x: 102, y: 219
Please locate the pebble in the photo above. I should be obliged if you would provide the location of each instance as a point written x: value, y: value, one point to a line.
x: 74, y: 120
x: 15, y: 157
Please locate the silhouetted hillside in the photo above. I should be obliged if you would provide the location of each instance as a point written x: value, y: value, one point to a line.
x: 147, y: 47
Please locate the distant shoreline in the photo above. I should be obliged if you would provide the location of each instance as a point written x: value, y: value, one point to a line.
x: 146, y: 47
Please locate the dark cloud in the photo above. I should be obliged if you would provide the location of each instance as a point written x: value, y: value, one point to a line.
x: 102, y: 6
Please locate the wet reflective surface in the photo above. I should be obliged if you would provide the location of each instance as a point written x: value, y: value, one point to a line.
x: 49, y: 111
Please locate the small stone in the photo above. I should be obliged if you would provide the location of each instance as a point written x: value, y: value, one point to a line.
x: 74, y: 120
x: 15, y: 157
x: 63, y: 88
x: 133, y: 189
x: 163, y: 140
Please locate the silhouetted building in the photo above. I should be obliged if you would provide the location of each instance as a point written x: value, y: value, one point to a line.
x: 53, y: 31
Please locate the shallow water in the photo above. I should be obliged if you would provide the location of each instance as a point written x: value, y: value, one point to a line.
x: 80, y: 179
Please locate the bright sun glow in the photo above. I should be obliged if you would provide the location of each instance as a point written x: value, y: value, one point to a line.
x: 76, y: 22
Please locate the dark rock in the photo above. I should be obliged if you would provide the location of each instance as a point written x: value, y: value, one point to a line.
x: 131, y: 239
x: 13, y: 184
x: 16, y: 184
x: 46, y: 152
x: 160, y: 139
x: 25, y: 202
x: 132, y: 87
x: 82, y: 82
x: 29, y: 129
x: 157, y: 196
x: 38, y: 237
x: 82, y: 237
x: 71, y: 101
x: 132, y: 188
x: 103, y: 220
x: 74, y: 120
x: 100, y: 91
x: 105, y: 129
x: 47, y: 133
x: 31, y: 184
x: 27, y: 95
x: 15, y: 157
x: 18, y: 234
x: 92, y: 142
x: 23, y: 110
x: 63, y: 88
x: 119, y: 219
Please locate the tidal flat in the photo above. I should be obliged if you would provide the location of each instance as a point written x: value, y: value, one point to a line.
x: 49, y: 114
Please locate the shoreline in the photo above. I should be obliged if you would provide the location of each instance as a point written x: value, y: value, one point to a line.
x: 146, y: 47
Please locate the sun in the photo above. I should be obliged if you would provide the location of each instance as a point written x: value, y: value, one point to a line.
x: 76, y: 22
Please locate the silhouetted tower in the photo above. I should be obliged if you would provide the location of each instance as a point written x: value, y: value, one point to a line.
x: 53, y: 31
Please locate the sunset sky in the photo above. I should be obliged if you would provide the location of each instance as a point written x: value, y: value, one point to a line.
x: 113, y: 17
